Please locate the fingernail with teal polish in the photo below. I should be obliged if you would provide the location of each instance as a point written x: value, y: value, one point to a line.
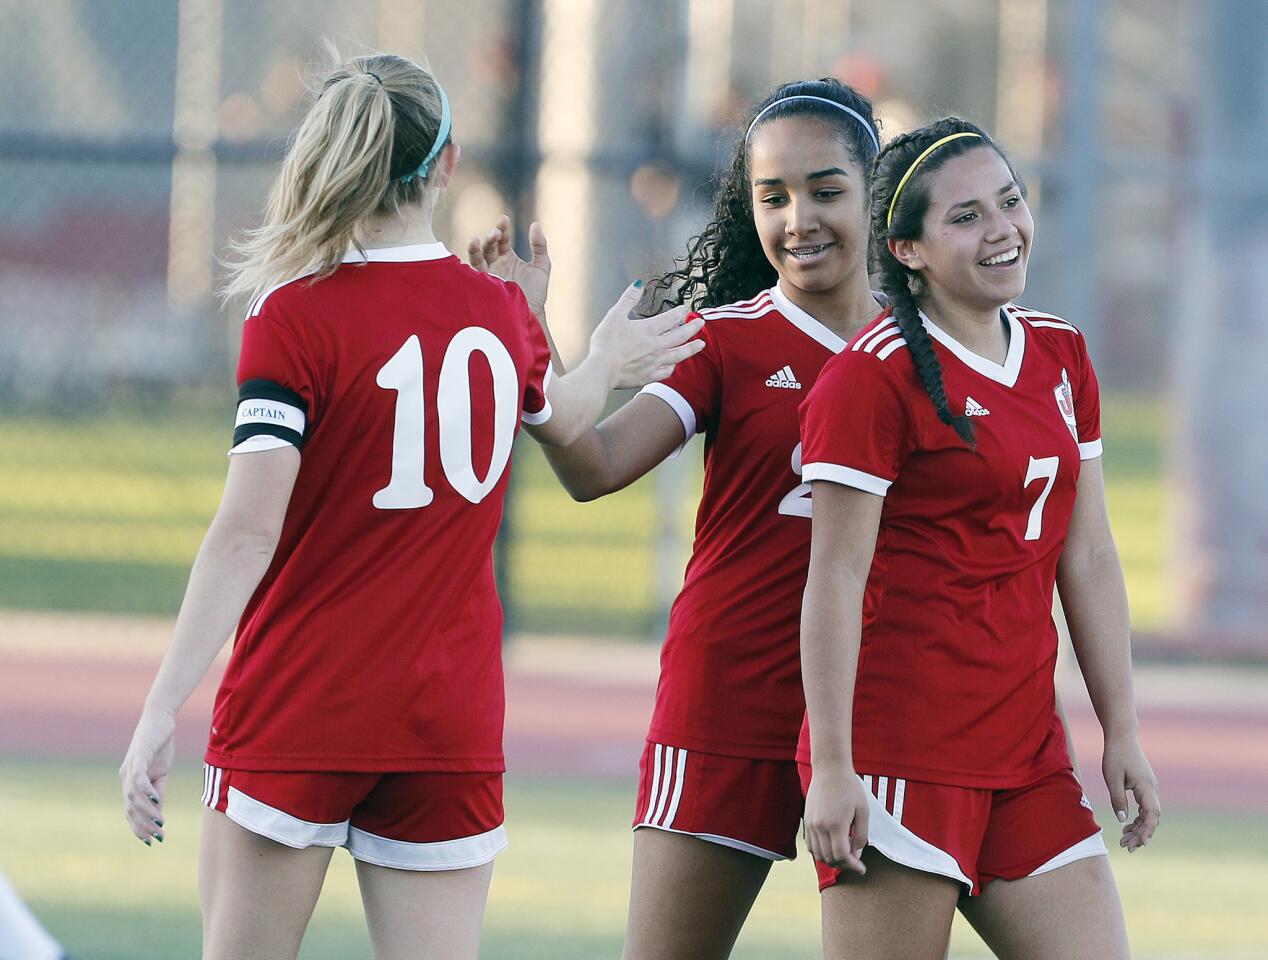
x: 146, y: 842
x: 158, y: 823
x: 638, y: 284
x: 158, y: 838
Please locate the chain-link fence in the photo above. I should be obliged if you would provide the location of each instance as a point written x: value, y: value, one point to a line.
x: 137, y: 135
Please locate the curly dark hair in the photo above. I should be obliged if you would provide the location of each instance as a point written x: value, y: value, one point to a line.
x: 725, y: 261
x: 900, y: 284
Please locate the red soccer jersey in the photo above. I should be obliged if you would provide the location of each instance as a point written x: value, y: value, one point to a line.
x: 374, y: 640
x: 955, y: 680
x: 730, y: 679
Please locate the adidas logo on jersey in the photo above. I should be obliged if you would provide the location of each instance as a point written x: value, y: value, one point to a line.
x: 974, y: 409
x: 784, y: 378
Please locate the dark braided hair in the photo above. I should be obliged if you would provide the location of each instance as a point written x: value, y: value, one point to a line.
x: 900, y: 284
x: 725, y: 261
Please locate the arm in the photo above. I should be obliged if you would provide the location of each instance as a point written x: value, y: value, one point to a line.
x: 599, y: 460
x: 843, y: 538
x: 624, y: 352
x: 230, y: 563
x: 1090, y: 579
x: 619, y: 450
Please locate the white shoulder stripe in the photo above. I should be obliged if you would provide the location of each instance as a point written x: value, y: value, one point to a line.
x: 884, y: 352
x: 738, y: 316
x: 761, y: 305
x: 1054, y: 324
x: 868, y: 343
x: 1027, y: 312
x: 883, y: 339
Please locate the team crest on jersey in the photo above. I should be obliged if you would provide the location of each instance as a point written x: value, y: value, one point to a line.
x: 1065, y: 403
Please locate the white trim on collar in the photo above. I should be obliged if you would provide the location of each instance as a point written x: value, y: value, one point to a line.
x: 407, y: 254
x: 805, y: 322
x: 1005, y: 374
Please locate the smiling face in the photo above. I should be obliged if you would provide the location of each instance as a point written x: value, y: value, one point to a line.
x: 976, y: 235
x: 809, y: 203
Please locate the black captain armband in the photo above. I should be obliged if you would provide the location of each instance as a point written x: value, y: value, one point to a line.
x: 269, y: 416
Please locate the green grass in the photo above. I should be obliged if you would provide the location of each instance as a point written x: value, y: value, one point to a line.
x: 106, y: 513
x: 560, y: 890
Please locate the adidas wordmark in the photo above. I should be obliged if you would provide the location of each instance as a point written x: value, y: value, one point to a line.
x: 974, y: 409
x: 784, y: 378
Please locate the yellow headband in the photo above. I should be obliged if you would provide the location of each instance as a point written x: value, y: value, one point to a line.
x: 889, y: 221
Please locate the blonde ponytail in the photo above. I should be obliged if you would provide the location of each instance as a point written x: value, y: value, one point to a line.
x: 374, y: 121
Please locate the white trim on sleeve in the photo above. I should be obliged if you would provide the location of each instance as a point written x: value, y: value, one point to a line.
x: 261, y: 441
x: 456, y: 854
x: 280, y: 826
x: 847, y: 476
x: 1091, y: 450
x: 678, y: 403
x: 546, y: 412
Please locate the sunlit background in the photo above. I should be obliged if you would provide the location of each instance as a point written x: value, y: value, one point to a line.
x: 136, y: 136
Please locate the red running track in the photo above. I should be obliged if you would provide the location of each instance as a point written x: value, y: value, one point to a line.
x: 1210, y: 755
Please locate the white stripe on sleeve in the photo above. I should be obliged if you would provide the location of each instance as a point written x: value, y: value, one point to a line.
x: 847, y: 476
x: 678, y: 403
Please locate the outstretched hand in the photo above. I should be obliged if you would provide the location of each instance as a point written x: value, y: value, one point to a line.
x: 644, y: 348
x: 493, y: 254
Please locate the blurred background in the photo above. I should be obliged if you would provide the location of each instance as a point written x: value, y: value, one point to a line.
x: 136, y: 136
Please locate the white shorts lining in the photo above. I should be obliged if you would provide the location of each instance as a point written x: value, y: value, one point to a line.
x: 1093, y: 846
x: 459, y: 854
x: 721, y: 841
x: 280, y: 826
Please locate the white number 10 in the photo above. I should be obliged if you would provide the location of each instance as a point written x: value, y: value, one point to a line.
x: 1043, y: 468
x: 407, y: 490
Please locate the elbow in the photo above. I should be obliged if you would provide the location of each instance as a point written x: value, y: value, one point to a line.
x: 248, y: 545
x: 585, y: 489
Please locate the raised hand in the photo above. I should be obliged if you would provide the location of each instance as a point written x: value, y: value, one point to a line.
x: 644, y: 349
x: 836, y: 819
x: 1126, y: 771
x: 493, y: 254
x: 143, y: 775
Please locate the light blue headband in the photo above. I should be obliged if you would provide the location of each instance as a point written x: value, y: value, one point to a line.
x: 442, y: 134
x: 832, y: 103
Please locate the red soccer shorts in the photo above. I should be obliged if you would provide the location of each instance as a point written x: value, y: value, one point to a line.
x: 749, y: 805
x: 410, y: 821
x: 976, y: 835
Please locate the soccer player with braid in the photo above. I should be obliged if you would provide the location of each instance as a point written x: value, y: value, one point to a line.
x: 780, y: 276
x: 953, y: 450
x: 362, y: 706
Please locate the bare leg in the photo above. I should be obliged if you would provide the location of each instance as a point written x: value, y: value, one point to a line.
x: 257, y: 895
x: 892, y: 911
x: 689, y: 897
x: 418, y: 914
x: 1067, y: 914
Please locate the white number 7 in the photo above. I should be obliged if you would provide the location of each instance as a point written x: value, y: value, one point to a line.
x: 1043, y: 468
